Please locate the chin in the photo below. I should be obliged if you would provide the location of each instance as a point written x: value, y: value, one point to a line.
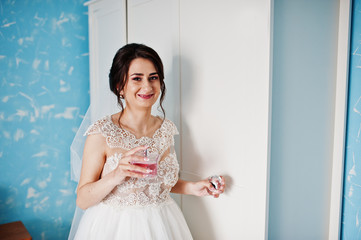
x: 146, y: 105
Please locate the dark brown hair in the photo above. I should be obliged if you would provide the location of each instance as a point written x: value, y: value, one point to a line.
x: 118, y: 75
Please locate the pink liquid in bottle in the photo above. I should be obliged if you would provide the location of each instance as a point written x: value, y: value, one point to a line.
x: 150, y: 166
x: 150, y: 162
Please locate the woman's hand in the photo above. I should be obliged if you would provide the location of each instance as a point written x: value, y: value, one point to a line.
x: 92, y: 188
x: 125, y: 167
x: 205, y: 188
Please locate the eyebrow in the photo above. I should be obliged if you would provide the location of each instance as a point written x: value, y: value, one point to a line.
x: 141, y: 74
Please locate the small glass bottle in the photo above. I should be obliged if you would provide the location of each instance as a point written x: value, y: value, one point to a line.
x: 216, y: 181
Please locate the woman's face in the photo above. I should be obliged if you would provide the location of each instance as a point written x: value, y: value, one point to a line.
x: 143, y: 85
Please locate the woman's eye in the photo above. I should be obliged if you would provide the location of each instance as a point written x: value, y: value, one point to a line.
x: 154, y: 78
x: 137, y: 79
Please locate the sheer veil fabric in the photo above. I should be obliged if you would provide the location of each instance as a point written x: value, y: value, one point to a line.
x: 76, y: 155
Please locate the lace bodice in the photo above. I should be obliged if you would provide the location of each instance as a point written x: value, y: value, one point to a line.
x: 140, y: 191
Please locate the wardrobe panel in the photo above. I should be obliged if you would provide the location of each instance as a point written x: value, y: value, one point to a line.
x: 225, y: 99
x: 107, y: 33
x: 156, y: 24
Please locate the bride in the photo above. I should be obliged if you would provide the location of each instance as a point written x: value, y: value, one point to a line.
x: 122, y: 199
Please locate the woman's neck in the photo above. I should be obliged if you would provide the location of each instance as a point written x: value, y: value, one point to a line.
x: 140, y: 122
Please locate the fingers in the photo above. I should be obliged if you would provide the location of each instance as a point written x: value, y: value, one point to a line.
x: 135, y: 174
x: 129, y: 170
x: 223, y: 182
x: 128, y: 165
x: 138, y: 169
x: 131, y: 159
x: 216, y: 192
x: 210, y: 189
x: 130, y: 156
x: 134, y: 150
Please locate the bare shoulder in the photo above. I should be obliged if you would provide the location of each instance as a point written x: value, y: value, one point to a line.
x: 95, y: 139
x: 95, y: 145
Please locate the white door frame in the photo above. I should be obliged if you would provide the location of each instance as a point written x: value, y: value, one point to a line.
x: 340, y: 119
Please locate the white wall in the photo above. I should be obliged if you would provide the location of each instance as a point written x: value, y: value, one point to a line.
x: 304, y: 73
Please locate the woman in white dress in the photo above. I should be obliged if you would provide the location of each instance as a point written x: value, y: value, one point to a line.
x: 121, y: 200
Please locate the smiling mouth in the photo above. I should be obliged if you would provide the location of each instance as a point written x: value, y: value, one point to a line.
x: 146, y: 96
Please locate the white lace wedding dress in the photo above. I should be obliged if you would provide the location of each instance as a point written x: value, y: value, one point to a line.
x: 139, y: 208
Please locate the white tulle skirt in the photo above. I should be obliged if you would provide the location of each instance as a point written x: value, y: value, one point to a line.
x: 162, y: 222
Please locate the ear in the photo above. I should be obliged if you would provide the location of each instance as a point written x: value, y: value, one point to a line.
x: 121, y: 94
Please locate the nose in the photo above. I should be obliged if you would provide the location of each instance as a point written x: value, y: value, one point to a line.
x: 147, y: 85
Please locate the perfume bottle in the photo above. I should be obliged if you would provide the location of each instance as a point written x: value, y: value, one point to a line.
x: 216, y: 181
x: 150, y: 161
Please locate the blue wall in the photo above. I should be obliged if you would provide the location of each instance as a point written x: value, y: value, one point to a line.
x: 351, y: 217
x: 44, y: 92
x: 303, y: 97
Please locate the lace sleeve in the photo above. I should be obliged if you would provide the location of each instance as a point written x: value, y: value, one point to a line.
x: 93, y: 129
x: 96, y: 127
x: 174, y: 130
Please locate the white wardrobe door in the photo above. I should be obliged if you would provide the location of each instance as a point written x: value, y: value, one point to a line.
x: 156, y: 24
x: 217, y: 62
x: 225, y: 94
x: 107, y: 33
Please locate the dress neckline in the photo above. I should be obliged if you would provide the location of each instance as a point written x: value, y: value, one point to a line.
x: 132, y: 135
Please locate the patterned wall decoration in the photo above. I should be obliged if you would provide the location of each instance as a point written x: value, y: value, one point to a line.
x: 351, y: 217
x: 44, y: 93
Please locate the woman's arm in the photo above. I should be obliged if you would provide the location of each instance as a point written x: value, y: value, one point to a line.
x: 92, y: 189
x: 200, y: 188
